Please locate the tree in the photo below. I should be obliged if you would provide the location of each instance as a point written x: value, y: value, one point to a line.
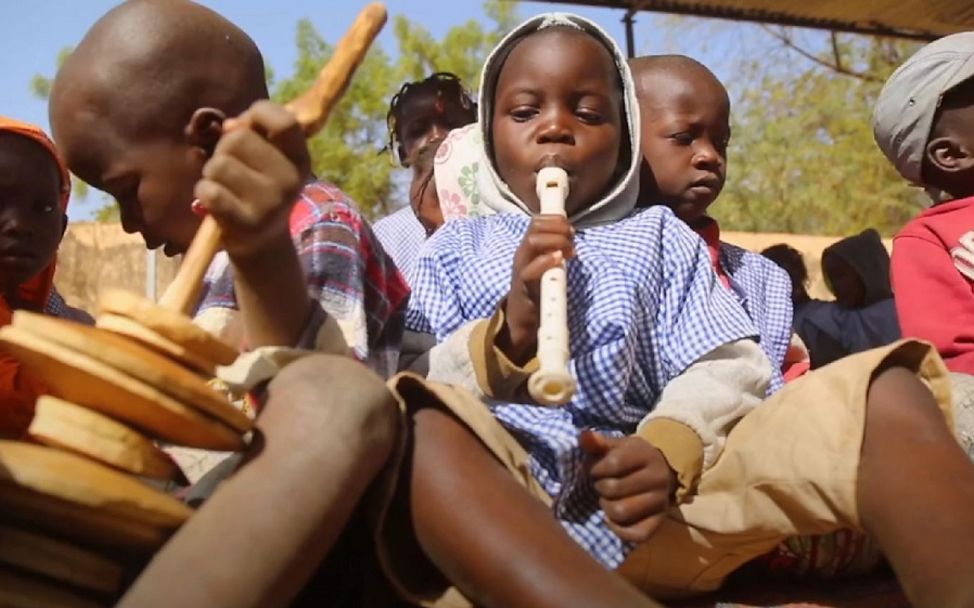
x: 346, y: 151
x: 463, y: 49
x: 802, y: 157
x: 349, y: 151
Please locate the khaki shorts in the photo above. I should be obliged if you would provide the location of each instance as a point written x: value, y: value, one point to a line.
x: 789, y: 468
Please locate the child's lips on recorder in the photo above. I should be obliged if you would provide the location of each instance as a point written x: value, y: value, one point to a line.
x: 553, y: 160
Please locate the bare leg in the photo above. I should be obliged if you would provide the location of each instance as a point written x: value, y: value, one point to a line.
x: 495, y: 542
x: 328, y: 426
x: 916, y: 492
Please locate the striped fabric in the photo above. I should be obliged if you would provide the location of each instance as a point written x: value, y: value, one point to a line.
x: 347, y: 273
x: 644, y: 304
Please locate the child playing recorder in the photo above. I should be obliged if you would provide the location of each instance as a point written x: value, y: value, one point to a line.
x: 714, y: 478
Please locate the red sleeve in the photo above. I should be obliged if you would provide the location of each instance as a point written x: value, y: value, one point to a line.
x: 934, y: 301
x: 18, y: 391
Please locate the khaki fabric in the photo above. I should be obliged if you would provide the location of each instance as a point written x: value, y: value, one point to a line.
x: 789, y: 469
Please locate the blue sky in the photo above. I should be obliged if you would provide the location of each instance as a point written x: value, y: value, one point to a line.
x: 33, y: 31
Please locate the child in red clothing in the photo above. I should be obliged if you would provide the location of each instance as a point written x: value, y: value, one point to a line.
x: 924, y: 124
x: 34, y: 192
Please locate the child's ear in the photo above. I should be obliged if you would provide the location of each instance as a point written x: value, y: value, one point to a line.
x: 948, y: 155
x: 64, y: 224
x: 204, y: 129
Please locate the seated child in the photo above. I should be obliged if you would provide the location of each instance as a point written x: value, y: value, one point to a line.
x: 421, y: 112
x: 924, y: 124
x: 791, y: 261
x: 711, y: 481
x: 685, y: 115
x: 863, y: 315
x: 34, y: 192
x: 424, y: 205
x: 179, y: 112
x: 155, y: 129
x: 157, y: 149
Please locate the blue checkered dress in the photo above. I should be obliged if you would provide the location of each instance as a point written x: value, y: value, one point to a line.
x: 401, y: 235
x: 644, y: 303
x: 764, y: 290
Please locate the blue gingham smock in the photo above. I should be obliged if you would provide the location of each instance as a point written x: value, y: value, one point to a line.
x: 643, y: 304
x: 764, y: 290
x: 401, y: 234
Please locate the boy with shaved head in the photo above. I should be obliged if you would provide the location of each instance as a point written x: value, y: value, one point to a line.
x: 163, y: 106
x: 685, y: 132
x: 685, y: 114
x: 142, y: 109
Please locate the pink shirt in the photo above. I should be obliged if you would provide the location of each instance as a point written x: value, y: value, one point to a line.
x: 932, y: 270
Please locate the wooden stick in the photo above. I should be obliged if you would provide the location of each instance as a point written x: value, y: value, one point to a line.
x: 311, y: 110
x: 553, y: 383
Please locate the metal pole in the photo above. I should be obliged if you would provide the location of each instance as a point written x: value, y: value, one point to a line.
x: 150, y: 274
x: 630, y: 35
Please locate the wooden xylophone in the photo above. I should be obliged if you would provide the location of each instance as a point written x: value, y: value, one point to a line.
x: 78, y: 519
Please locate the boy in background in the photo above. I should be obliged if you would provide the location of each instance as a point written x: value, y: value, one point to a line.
x: 924, y: 124
x: 685, y: 113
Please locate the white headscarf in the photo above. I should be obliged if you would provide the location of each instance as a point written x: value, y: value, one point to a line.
x: 467, y: 181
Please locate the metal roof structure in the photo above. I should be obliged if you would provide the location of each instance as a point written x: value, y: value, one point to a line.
x: 917, y: 19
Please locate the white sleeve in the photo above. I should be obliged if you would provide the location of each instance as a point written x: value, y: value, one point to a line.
x: 450, y: 361
x: 714, y: 393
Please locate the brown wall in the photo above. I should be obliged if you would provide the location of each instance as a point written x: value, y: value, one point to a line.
x: 97, y: 256
x: 811, y: 248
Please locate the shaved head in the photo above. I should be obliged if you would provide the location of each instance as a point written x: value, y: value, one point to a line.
x: 654, y: 71
x: 146, y: 65
x: 138, y: 107
x: 685, y: 131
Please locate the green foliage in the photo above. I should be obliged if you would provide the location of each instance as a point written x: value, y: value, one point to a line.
x: 40, y: 85
x: 462, y: 51
x: 108, y: 212
x: 348, y: 152
x: 345, y: 152
x: 802, y: 157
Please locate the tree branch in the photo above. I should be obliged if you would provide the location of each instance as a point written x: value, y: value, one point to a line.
x: 835, y: 50
x: 836, y: 67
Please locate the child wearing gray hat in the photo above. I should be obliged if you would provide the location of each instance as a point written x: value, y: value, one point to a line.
x: 924, y: 124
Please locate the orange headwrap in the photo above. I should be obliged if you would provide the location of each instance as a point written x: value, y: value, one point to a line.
x: 18, y: 390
